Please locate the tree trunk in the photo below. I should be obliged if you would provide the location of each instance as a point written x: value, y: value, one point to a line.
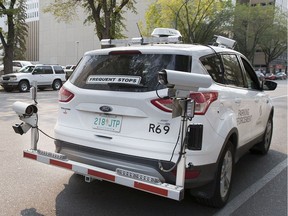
x: 9, y: 46
x: 8, y: 59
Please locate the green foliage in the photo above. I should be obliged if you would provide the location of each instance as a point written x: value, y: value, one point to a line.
x: 249, y: 25
x: 21, y: 31
x: 106, y: 15
x: 13, y: 41
x: 63, y: 10
x: 262, y: 28
x: 197, y: 20
x: 274, y: 40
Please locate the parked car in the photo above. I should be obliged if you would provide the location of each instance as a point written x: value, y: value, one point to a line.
x: 45, y: 76
x: 17, y: 65
x: 281, y: 76
x: 260, y: 75
x: 69, y: 70
x: 270, y: 76
x: 68, y: 67
x: 115, y: 118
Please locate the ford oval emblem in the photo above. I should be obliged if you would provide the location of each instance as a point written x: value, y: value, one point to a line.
x: 106, y: 109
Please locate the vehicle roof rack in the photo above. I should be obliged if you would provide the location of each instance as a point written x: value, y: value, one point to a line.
x: 160, y: 36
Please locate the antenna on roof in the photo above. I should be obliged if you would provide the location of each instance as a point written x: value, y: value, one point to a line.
x: 139, y: 30
x: 142, y: 39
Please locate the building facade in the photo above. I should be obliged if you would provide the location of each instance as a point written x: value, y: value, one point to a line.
x: 32, y: 40
x: 65, y: 43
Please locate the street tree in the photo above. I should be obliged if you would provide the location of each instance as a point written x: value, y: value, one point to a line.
x: 249, y: 26
x: 13, y: 40
x: 106, y: 15
x: 274, y: 40
x: 197, y: 20
x: 21, y: 31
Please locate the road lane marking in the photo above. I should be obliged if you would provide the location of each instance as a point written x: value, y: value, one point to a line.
x: 239, y: 200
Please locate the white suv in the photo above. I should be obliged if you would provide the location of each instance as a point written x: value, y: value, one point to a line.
x: 116, y: 118
x: 45, y: 76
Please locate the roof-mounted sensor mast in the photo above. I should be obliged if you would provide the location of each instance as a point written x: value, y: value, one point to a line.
x: 160, y: 35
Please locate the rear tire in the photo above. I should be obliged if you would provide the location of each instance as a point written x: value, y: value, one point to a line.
x: 223, y: 180
x: 23, y: 86
x: 264, y: 146
x: 57, y: 84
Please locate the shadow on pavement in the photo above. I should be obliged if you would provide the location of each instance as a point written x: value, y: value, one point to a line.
x: 104, y: 198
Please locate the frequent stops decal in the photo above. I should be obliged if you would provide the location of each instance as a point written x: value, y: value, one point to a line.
x: 104, y: 79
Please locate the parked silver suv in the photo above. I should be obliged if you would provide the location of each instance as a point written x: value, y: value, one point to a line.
x: 45, y: 76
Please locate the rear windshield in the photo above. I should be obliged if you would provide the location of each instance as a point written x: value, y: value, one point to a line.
x: 126, y: 72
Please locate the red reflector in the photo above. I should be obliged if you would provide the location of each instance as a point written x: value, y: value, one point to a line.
x: 65, y: 95
x: 101, y: 175
x: 192, y: 174
x: 31, y: 156
x: 151, y: 189
x: 189, y: 174
x: 60, y: 164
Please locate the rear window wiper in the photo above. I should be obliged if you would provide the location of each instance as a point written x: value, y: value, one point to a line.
x: 126, y: 85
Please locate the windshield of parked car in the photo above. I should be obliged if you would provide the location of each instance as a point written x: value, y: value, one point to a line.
x: 27, y: 69
x: 126, y: 72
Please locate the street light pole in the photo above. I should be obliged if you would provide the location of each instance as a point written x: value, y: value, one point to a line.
x: 77, y: 44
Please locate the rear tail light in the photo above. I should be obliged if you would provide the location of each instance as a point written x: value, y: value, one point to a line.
x: 163, y: 104
x: 65, y: 95
x: 202, y: 102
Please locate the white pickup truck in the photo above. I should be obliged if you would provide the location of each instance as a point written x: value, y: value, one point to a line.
x: 17, y: 65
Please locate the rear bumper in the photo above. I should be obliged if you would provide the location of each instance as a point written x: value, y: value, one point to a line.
x: 118, y: 176
x: 111, y: 161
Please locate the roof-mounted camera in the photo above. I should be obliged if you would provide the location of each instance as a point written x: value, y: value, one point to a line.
x: 224, y: 42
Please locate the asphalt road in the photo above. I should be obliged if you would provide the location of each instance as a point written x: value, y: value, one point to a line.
x: 29, y: 188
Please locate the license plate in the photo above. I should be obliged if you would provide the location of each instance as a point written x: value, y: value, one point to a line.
x: 107, y: 122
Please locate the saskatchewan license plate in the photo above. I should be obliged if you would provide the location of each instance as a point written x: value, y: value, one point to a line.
x: 107, y: 122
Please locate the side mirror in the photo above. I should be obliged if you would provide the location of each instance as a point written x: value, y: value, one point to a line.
x: 269, y: 85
